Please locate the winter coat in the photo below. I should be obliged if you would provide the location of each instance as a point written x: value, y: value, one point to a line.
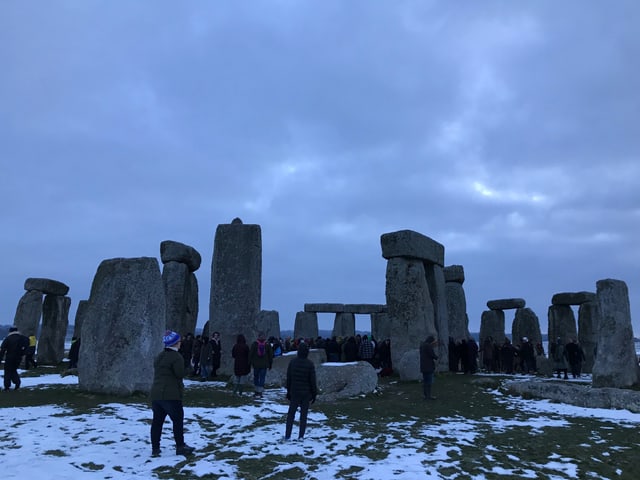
x: 240, y: 354
x: 206, y: 354
x: 301, y: 378
x: 216, y: 353
x: 14, y: 346
x: 428, y: 358
x: 167, y: 376
x: 260, y: 361
x: 559, y: 356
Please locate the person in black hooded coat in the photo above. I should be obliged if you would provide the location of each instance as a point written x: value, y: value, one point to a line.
x: 302, y: 389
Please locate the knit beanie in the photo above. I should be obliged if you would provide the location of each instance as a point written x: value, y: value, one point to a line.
x: 170, y: 338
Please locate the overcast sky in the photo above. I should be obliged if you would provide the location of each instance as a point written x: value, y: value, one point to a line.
x: 507, y: 131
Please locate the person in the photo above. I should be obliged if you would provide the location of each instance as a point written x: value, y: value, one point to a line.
x: 384, y: 353
x: 74, y: 352
x: 366, y: 350
x: 186, y: 350
x: 206, y: 358
x: 487, y: 354
x: 528, y: 356
x: 507, y: 356
x: 428, y: 359
x: 216, y: 353
x: 13, y: 346
x: 559, y: 356
x: 30, y: 353
x: 241, y: 367
x: 166, y: 394
x: 575, y: 356
x: 302, y: 389
x: 350, y: 350
x: 260, y: 359
x: 197, y: 350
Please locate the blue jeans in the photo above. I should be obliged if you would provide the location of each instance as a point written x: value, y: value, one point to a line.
x: 259, y: 375
x: 162, y: 408
x: 427, y: 381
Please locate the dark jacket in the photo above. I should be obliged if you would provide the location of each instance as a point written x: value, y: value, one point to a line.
x: 261, y: 361
x: 240, y: 354
x: 167, y: 376
x: 14, y: 346
x: 427, y: 358
x: 301, y: 377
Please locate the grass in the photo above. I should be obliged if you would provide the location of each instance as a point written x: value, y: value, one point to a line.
x: 395, y: 414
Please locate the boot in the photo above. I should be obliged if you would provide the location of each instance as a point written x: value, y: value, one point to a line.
x: 185, y: 450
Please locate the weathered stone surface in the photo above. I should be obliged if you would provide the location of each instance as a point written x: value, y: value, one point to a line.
x: 410, y: 309
x: 506, y: 304
x: 81, y: 314
x: 457, y: 308
x: 268, y: 321
x: 575, y: 394
x: 306, y: 325
x: 380, y: 326
x: 344, y: 325
x: 492, y: 325
x: 576, y: 298
x: 437, y: 291
x: 236, y: 285
x: 324, y: 307
x: 526, y: 324
x: 616, y: 364
x: 46, y: 286
x: 28, y: 313
x: 55, y: 320
x: 408, y: 366
x: 181, y: 299
x: 171, y: 251
x: 123, y: 328
x: 277, y: 376
x: 410, y: 244
x: 345, y: 380
x: 562, y: 323
x: 454, y: 273
x: 588, y: 333
x: 364, y: 308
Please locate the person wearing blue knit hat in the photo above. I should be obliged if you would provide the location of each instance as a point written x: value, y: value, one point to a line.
x: 166, y: 395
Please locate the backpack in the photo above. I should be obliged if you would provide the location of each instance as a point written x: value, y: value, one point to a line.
x: 261, y: 348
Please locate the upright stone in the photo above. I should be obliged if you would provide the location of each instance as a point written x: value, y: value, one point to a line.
x: 616, y: 364
x: 410, y: 311
x: 236, y: 276
x: 492, y: 325
x: 28, y: 313
x: 123, y: 328
x: 269, y: 323
x: 588, y: 333
x: 381, y: 326
x: 81, y: 314
x: 437, y: 291
x: 562, y: 323
x: 181, y: 293
x: 344, y: 325
x: 457, y: 308
x: 306, y: 325
x: 55, y: 321
x: 526, y: 324
x: 454, y: 273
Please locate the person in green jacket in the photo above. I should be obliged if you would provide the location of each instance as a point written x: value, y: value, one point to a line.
x: 166, y: 395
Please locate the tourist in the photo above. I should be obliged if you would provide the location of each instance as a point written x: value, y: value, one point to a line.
x: 166, y: 395
x: 528, y: 356
x: 74, y: 352
x: 260, y: 358
x: 384, y: 354
x: 301, y: 389
x: 186, y: 350
x: 487, y: 354
x: 13, y: 346
x: 559, y: 356
x: 197, y: 350
x: 575, y: 356
x: 30, y: 353
x: 206, y: 358
x: 350, y: 350
x: 241, y: 366
x: 216, y: 353
x: 366, y: 350
x: 428, y: 359
x: 508, y: 354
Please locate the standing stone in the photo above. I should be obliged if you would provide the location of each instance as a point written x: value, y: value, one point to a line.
x: 526, y: 324
x: 81, y: 313
x: 344, y: 325
x: 381, y: 326
x: 562, y: 323
x: 410, y: 311
x: 306, y: 325
x: 181, y: 293
x: 457, y: 308
x: 616, y: 364
x: 437, y: 291
x: 236, y: 276
x: 588, y: 333
x: 492, y: 325
x: 55, y: 321
x: 123, y: 327
x: 268, y: 322
x: 28, y: 313
x: 454, y: 273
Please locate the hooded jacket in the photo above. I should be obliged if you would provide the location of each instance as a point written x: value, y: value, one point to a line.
x: 301, y: 376
x: 14, y: 346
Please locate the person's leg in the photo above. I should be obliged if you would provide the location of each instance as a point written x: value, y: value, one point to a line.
x: 291, y: 413
x: 262, y: 375
x: 7, y: 376
x: 159, y: 414
x: 304, y: 410
x: 176, y: 414
x: 256, y: 381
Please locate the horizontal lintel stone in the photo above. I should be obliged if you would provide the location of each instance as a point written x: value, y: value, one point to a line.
x: 410, y: 244
x: 506, y: 304
x: 359, y: 308
x: 573, y: 298
x: 46, y: 285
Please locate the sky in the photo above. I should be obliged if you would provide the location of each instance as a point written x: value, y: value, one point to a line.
x: 507, y: 131
x: 53, y: 441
